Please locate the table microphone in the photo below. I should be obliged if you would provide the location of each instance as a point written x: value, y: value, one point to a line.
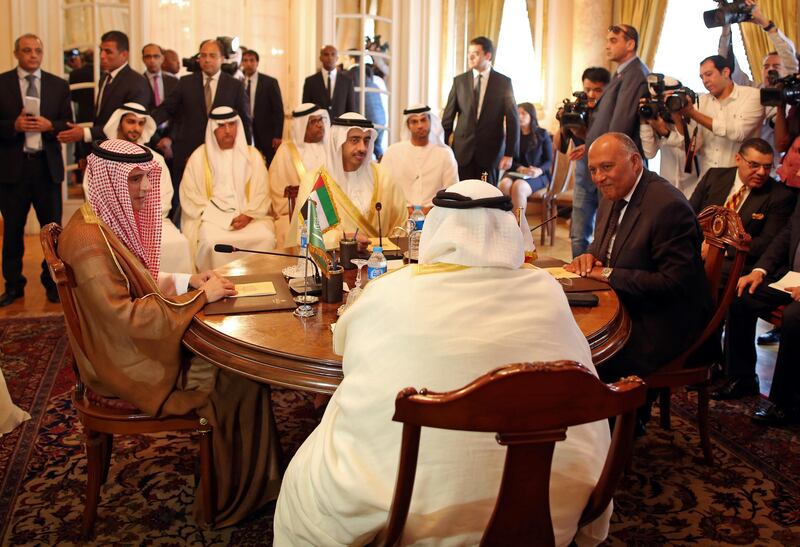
x: 378, y: 208
x: 224, y: 248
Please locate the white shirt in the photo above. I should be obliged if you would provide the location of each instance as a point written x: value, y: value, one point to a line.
x: 332, y: 76
x: 158, y: 77
x: 87, y: 132
x: 484, y: 80
x: 734, y: 120
x: 627, y: 199
x: 420, y: 170
x: 33, y: 139
x: 214, y: 83
x: 673, y: 156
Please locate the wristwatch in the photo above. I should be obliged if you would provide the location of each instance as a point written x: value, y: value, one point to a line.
x: 770, y: 26
x: 606, y: 273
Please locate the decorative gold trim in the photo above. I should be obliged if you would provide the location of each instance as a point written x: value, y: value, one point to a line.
x: 439, y: 267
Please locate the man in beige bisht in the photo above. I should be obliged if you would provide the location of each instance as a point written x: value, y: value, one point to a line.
x: 424, y: 326
x: 131, y: 123
x: 132, y: 317
x: 421, y: 163
x: 224, y: 194
x: 303, y: 152
x: 356, y: 184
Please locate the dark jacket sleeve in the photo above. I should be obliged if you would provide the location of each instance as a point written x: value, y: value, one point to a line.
x: 780, y: 210
x: 276, y: 107
x: 171, y: 104
x: 64, y: 110
x: 242, y: 106
x: 700, y: 194
x: 625, y: 118
x: 546, y: 162
x: 450, y: 111
x: 512, y: 121
x: 352, y: 104
x: 307, y: 95
x: 774, y: 258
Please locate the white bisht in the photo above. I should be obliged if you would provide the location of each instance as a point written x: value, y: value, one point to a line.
x: 467, y: 308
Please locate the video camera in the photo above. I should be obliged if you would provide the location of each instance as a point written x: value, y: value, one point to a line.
x: 664, y: 99
x: 781, y: 91
x: 728, y: 13
x: 575, y: 114
x: 374, y: 44
x: 230, y: 56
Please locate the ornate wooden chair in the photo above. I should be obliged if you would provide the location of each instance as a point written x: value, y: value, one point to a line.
x: 290, y: 193
x: 529, y: 406
x: 558, y: 189
x: 722, y: 230
x: 103, y: 417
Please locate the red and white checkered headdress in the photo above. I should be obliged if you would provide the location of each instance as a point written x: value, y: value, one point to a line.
x: 110, y: 164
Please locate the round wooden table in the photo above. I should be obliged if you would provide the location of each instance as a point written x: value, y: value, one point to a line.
x: 275, y: 347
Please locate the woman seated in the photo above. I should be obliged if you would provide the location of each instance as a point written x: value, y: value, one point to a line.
x: 530, y: 170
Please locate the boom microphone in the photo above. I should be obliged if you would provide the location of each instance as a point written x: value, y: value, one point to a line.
x: 378, y: 208
x: 225, y: 248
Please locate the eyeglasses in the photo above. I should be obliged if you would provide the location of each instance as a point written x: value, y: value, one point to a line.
x: 755, y: 165
x: 616, y: 29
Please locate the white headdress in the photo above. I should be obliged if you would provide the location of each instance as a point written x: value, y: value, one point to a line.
x: 471, y: 224
x: 242, y: 170
x: 436, y: 135
x: 300, y: 116
x: 111, y: 126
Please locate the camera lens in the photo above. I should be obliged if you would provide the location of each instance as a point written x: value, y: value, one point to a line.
x: 674, y: 103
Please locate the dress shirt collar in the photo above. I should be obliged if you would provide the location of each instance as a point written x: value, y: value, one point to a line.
x: 331, y: 73
x: 484, y: 73
x: 152, y: 75
x: 214, y: 77
x: 732, y: 97
x: 629, y: 195
x: 116, y: 70
x: 624, y: 65
x: 24, y: 73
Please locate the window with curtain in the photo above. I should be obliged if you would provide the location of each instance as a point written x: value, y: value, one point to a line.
x: 515, y: 56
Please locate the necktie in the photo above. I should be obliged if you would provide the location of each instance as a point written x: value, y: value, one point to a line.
x: 329, y: 89
x: 611, y: 232
x: 477, y: 94
x: 207, y: 94
x: 249, y: 87
x: 31, y: 91
x: 736, y: 199
x: 103, y: 86
x: 156, y: 94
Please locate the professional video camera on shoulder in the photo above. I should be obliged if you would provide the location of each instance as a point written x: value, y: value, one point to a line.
x: 728, y: 13
x: 781, y: 91
x: 667, y: 96
x: 231, y: 56
x: 575, y: 114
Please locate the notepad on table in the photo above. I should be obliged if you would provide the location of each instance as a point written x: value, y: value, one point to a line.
x: 561, y: 273
x: 262, y: 288
x: 791, y: 279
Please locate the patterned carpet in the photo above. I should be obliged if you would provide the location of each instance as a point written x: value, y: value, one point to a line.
x: 669, y: 497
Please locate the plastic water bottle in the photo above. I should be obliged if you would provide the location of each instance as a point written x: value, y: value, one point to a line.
x: 376, y: 265
x: 301, y: 262
x: 416, y: 223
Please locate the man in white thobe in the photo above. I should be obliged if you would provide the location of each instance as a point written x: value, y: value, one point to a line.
x: 303, y: 152
x: 224, y: 194
x: 421, y: 163
x: 131, y: 123
x: 425, y: 326
x: 356, y: 185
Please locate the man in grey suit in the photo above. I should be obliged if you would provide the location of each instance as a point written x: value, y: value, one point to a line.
x: 483, y: 100
x: 616, y: 111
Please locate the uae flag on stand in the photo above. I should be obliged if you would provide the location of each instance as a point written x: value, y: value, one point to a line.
x: 325, y: 208
x: 316, y: 245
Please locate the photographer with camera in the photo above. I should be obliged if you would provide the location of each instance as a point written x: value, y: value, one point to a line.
x: 663, y: 128
x: 187, y: 107
x: 726, y: 116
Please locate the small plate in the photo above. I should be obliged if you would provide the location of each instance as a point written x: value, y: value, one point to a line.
x: 306, y: 300
x: 298, y: 285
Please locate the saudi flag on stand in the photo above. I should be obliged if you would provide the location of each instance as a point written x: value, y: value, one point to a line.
x: 316, y: 245
x: 320, y: 195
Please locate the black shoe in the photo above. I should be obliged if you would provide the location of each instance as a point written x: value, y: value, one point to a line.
x: 52, y: 295
x: 772, y: 414
x: 770, y: 338
x: 10, y: 295
x: 736, y: 388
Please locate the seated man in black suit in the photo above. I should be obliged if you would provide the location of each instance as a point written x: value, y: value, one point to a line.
x: 34, y: 105
x: 188, y: 106
x: 763, y: 203
x: 317, y: 87
x: 755, y: 298
x: 647, y: 247
x: 266, y: 106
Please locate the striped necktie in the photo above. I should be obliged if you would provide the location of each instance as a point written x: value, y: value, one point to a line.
x: 736, y: 199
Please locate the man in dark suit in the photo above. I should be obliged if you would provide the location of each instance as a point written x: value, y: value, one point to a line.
x: 317, y: 87
x: 31, y: 157
x: 756, y: 298
x: 616, y: 110
x: 161, y: 84
x: 647, y: 247
x: 119, y: 84
x: 483, y: 99
x: 763, y: 203
x: 266, y: 106
x: 187, y: 108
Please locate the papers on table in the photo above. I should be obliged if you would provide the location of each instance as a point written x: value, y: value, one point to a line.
x: 388, y: 245
x: 263, y: 288
x: 791, y: 279
x: 561, y: 273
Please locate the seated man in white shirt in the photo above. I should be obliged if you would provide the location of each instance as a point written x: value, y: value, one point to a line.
x: 224, y: 194
x: 131, y: 123
x: 425, y: 326
x: 421, y: 163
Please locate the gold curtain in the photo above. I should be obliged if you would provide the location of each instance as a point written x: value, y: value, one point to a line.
x: 756, y: 43
x: 531, y: 4
x: 348, y: 31
x: 484, y: 19
x: 647, y: 16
